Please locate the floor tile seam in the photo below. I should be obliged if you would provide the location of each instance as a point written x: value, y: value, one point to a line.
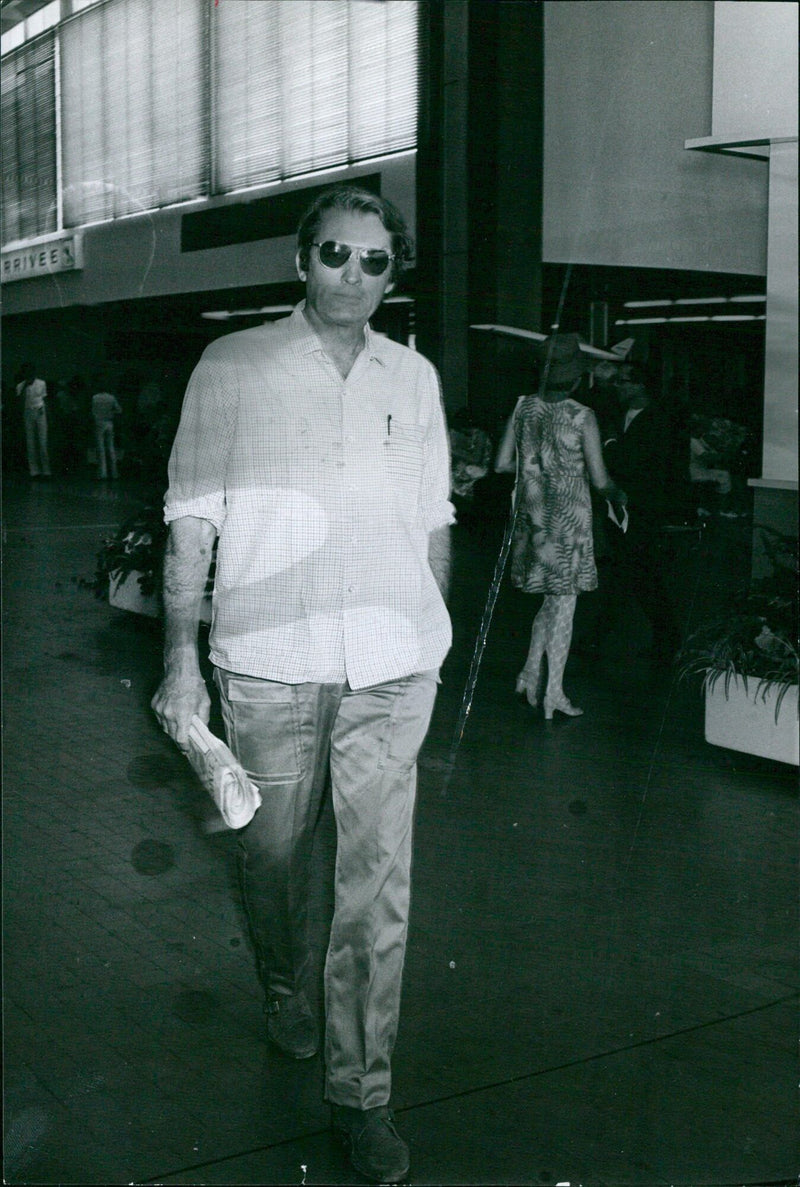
x: 609, y: 1054
x: 432, y: 1102
x: 303, y: 1135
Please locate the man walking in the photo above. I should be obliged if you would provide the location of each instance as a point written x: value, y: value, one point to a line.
x: 105, y: 407
x: 315, y: 451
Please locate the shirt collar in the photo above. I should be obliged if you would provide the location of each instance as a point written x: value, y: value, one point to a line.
x: 306, y: 341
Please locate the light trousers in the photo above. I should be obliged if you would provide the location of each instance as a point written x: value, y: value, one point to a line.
x: 36, y: 441
x: 295, y: 740
x: 105, y: 448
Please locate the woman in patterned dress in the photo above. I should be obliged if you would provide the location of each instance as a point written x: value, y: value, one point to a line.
x: 558, y: 452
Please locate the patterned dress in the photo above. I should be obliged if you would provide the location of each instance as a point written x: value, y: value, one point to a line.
x: 552, y: 543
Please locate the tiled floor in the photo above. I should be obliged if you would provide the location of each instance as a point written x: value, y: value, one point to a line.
x: 602, y: 975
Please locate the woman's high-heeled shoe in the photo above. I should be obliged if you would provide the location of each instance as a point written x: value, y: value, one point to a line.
x: 528, y: 686
x: 561, y: 705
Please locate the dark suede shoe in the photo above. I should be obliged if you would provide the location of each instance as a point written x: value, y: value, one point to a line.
x: 374, y: 1146
x: 291, y: 1026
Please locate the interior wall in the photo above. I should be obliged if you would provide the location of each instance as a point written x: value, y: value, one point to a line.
x: 755, y: 69
x: 626, y: 84
x: 441, y: 289
x: 505, y: 200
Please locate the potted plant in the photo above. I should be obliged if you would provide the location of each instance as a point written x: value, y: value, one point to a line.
x: 129, y: 566
x: 748, y: 660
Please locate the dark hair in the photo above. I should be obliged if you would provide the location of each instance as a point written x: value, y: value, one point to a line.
x: 356, y: 201
x: 635, y: 373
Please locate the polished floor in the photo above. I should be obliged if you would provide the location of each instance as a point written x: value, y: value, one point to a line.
x: 602, y: 976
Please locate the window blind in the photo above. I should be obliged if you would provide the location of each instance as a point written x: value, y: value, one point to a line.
x: 27, y: 114
x: 383, y: 77
x: 134, y: 108
x: 308, y: 84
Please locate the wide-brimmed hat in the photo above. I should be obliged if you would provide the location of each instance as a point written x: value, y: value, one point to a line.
x: 563, y: 361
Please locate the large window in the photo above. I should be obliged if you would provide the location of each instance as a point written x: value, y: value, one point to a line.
x: 306, y: 84
x: 28, y: 115
x: 133, y: 108
x: 168, y: 101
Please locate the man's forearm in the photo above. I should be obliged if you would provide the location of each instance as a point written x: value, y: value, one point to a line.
x: 439, y: 558
x: 187, y: 561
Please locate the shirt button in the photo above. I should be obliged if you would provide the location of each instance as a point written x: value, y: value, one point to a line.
x: 350, y: 588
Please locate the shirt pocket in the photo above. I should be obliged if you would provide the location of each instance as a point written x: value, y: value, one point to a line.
x: 405, y: 452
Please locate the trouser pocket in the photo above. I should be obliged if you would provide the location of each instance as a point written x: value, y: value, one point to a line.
x: 262, y: 720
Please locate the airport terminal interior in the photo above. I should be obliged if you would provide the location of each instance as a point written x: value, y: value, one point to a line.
x: 601, y: 983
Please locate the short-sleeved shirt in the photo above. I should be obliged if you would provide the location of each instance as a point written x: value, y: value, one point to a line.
x: 35, y: 394
x: 323, y: 492
x: 104, y: 406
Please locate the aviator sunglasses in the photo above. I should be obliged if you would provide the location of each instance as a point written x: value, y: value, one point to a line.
x: 373, y: 260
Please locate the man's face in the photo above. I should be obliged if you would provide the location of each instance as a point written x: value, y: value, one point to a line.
x: 347, y: 296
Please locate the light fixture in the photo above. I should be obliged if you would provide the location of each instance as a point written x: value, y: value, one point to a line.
x: 701, y: 301
x: 225, y: 314
x: 640, y: 321
x: 746, y: 297
x: 737, y: 317
x: 645, y: 304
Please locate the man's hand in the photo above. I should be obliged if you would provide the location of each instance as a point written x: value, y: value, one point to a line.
x: 176, y: 701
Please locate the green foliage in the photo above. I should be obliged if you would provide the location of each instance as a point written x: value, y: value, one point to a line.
x: 757, y: 640
x: 137, y: 546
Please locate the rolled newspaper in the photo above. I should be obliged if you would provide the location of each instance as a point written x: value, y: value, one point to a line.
x: 222, y: 776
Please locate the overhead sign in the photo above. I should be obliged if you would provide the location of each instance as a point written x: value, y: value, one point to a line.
x: 42, y: 259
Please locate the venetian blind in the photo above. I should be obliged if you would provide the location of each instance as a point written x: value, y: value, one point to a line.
x: 27, y: 112
x: 134, y: 108
x: 309, y: 84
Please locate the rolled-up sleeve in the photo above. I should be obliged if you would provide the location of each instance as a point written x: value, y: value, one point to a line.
x: 199, y: 459
x: 436, y: 509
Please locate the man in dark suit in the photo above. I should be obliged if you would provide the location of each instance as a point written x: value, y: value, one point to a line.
x: 647, y: 460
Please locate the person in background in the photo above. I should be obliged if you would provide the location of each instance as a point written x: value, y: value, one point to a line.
x: 34, y: 395
x: 601, y: 397
x: 105, y: 408
x: 316, y: 452
x: 557, y: 444
x: 68, y: 427
x: 470, y: 459
x: 650, y: 460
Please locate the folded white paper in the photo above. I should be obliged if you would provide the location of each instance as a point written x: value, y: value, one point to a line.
x: 222, y: 776
x: 612, y: 515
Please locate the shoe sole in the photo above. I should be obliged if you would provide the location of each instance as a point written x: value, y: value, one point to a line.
x: 346, y: 1142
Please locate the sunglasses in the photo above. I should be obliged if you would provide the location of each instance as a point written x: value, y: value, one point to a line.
x: 373, y: 260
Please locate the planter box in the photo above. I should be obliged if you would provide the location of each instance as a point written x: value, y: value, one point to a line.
x: 745, y: 720
x: 127, y: 595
